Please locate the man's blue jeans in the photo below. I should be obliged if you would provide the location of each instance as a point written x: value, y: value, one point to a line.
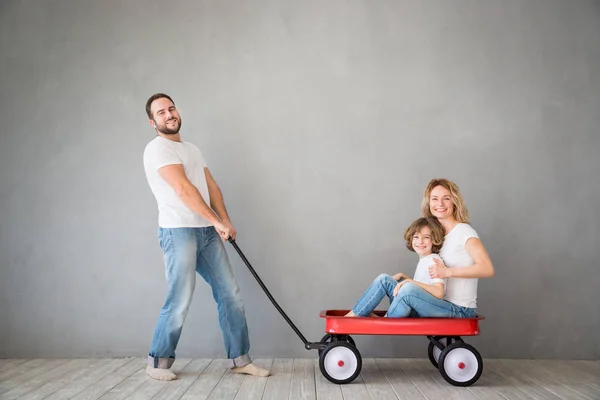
x: 187, y: 251
x: 412, y: 300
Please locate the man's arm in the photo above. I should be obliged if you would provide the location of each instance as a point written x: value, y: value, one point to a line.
x: 174, y: 175
x: 216, y: 197
x: 481, y: 268
x: 217, y: 203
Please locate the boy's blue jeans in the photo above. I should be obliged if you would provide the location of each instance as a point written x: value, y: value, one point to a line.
x: 187, y: 251
x: 412, y: 300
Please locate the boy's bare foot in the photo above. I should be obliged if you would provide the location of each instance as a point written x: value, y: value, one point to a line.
x: 251, y: 369
x: 160, y: 374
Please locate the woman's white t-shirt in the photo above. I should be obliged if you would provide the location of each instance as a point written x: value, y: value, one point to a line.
x: 460, y: 291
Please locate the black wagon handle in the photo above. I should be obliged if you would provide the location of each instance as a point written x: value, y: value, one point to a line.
x: 307, y: 344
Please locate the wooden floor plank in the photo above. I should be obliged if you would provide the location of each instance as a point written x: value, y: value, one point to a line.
x: 485, y: 387
x: 278, y: 385
x: 253, y: 387
x: 228, y: 386
x: 22, y: 374
x: 324, y: 389
x: 56, y: 384
x: 203, y: 386
x: 103, y: 368
x: 355, y: 390
x: 422, y: 377
x: 401, y: 383
x: 176, y: 389
x: 8, y: 364
x: 381, y: 379
x: 44, y: 377
x: 100, y: 387
x: 521, y: 383
x: 573, y: 376
x: 127, y: 387
x: 302, y: 385
x: 377, y: 384
x: 152, y: 387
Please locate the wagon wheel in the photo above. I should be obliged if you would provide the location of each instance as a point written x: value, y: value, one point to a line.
x: 329, y: 338
x: 434, y: 353
x: 340, y: 362
x: 460, y: 364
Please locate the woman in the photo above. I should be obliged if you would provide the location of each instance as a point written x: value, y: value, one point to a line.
x: 465, y: 260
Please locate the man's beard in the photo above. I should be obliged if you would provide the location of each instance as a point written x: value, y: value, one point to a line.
x: 166, y: 130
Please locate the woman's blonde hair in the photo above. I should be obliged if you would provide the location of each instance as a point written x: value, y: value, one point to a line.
x: 437, y: 233
x: 460, y: 212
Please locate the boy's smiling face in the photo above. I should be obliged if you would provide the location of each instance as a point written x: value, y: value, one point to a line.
x: 421, y: 242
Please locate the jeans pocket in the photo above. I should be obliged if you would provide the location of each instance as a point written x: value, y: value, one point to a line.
x: 164, y: 239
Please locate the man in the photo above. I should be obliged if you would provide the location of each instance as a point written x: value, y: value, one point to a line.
x: 193, y: 224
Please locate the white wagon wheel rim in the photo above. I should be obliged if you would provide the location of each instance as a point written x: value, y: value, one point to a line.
x: 461, y: 364
x: 340, y: 362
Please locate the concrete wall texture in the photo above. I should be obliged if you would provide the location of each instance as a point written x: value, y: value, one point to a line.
x: 322, y: 122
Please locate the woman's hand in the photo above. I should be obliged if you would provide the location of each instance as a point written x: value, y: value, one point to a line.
x: 399, y: 285
x: 439, y: 269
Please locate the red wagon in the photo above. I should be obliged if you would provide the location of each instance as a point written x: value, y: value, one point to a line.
x: 340, y: 361
x: 459, y: 363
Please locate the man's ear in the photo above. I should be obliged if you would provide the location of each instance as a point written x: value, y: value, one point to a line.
x: 152, y: 123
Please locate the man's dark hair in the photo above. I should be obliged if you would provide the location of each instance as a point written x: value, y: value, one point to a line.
x: 156, y: 97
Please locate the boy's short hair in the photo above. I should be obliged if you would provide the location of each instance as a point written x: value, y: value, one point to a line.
x: 437, y: 233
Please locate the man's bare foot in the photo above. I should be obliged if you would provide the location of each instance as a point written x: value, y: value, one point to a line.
x: 251, y: 369
x: 160, y: 374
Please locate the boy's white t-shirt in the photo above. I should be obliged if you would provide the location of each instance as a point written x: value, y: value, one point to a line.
x: 460, y: 291
x: 422, y: 270
x: 172, y: 212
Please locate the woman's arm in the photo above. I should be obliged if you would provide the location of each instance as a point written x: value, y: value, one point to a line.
x: 481, y: 268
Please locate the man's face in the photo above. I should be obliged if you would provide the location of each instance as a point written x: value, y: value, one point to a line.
x: 165, y: 117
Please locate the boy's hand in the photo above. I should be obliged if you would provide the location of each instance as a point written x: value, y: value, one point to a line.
x: 399, y: 285
x: 399, y: 276
x: 439, y: 270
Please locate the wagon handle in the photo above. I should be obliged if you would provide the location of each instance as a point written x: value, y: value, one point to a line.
x: 307, y: 344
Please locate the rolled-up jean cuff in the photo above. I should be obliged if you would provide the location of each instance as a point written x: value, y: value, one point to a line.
x: 239, y: 361
x: 162, y: 363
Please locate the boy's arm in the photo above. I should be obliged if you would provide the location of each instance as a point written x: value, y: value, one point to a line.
x: 436, y: 290
x: 399, y: 276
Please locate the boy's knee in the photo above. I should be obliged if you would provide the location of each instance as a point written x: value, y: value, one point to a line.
x: 409, y: 288
x: 383, y: 278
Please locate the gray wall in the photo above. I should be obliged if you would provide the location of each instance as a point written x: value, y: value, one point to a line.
x: 322, y: 122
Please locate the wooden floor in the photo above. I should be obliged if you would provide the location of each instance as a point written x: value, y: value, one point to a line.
x: 381, y: 379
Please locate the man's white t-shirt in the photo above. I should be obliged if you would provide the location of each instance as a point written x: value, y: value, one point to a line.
x: 460, y: 291
x: 172, y: 212
x: 422, y: 270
